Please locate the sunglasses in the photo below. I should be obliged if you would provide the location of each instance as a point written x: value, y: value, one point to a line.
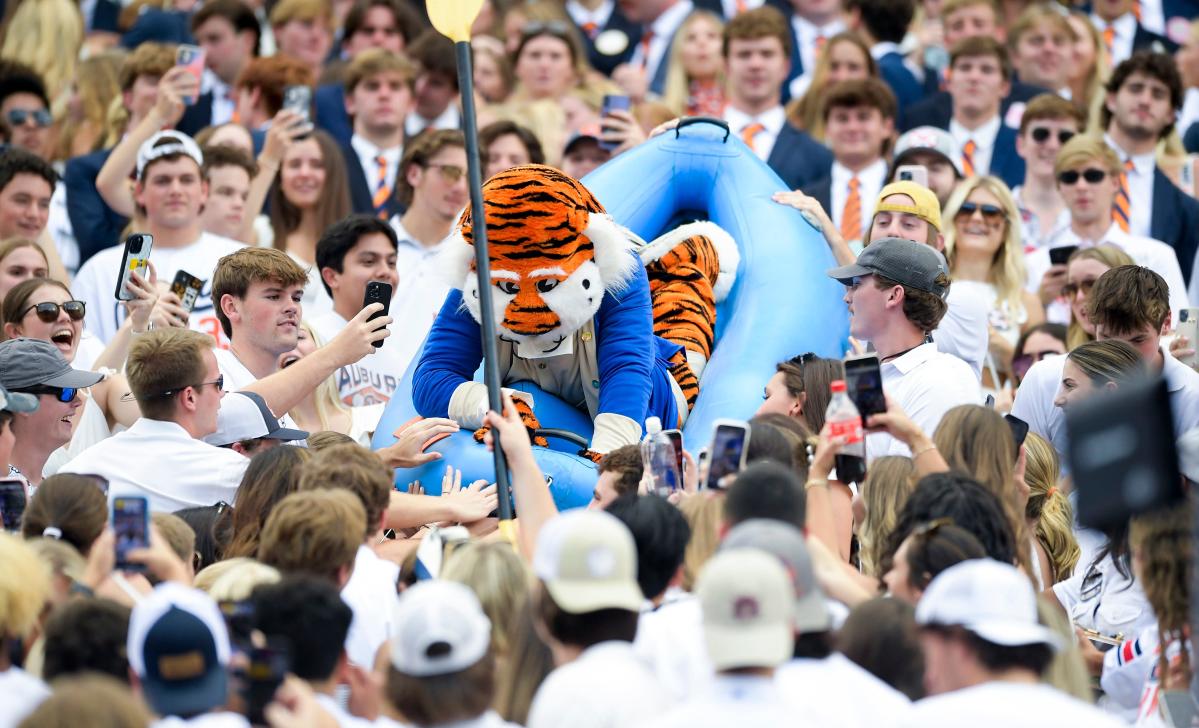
x: 1070, y: 290
x: 41, y: 117
x: 48, y: 311
x: 1021, y: 364
x: 1041, y: 134
x: 451, y: 173
x: 219, y: 382
x: 991, y: 213
x: 552, y: 27
x: 1092, y: 176
x: 62, y: 394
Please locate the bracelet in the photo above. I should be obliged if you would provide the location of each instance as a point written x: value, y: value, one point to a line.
x: 921, y: 451
x: 814, y: 482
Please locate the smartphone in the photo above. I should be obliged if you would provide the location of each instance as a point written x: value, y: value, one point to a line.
x: 1188, y: 326
x: 730, y: 445
x: 12, y: 503
x: 1060, y: 255
x: 187, y: 287
x: 136, y: 259
x: 131, y: 522
x: 192, y: 58
x: 676, y: 439
x: 299, y: 99
x: 667, y: 476
x: 239, y: 620
x: 612, y: 102
x: 864, y: 384
x: 917, y: 173
x: 377, y: 292
x: 263, y: 674
x: 1019, y: 430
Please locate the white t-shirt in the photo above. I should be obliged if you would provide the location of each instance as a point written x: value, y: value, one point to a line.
x: 22, y: 693
x: 670, y: 639
x: 238, y: 377
x: 837, y: 684
x: 733, y: 700
x: 316, y: 300
x: 207, y: 720
x: 96, y: 283
x: 1003, y: 705
x: 371, y: 594
x: 963, y: 329
x: 374, y: 377
x: 926, y: 383
x: 606, y: 687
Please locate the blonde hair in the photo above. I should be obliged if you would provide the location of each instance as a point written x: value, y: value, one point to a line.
x: 233, y: 580
x: 807, y: 112
x: 888, y: 484
x: 677, y: 89
x: 98, y: 85
x: 328, y: 402
x: 499, y: 579
x: 46, y: 36
x: 315, y: 532
x: 24, y: 587
x: 1067, y: 671
x: 289, y: 10
x: 704, y: 513
x: 1049, y: 507
x: 1112, y: 257
x: 1094, y: 87
x: 1007, y: 272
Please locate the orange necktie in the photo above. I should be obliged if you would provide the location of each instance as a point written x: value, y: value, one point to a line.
x: 741, y: 6
x: 1121, y: 214
x: 851, y: 214
x: 382, y: 190
x: 1109, y: 42
x: 968, y: 150
x: 749, y: 132
x: 646, y: 39
x: 820, y: 41
x: 590, y: 29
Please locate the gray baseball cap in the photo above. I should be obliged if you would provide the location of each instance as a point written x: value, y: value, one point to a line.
x: 927, y: 139
x: 911, y: 264
x: 16, y: 401
x: 786, y: 543
x: 26, y: 363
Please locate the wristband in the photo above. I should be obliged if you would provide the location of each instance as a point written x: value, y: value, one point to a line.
x: 923, y: 450
x: 814, y: 482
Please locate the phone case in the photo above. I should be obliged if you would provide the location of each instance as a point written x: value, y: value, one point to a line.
x: 138, y: 262
x: 377, y: 292
x: 187, y: 288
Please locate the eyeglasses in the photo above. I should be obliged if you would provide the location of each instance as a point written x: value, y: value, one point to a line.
x: 451, y: 173
x: 41, y: 117
x: 219, y: 382
x: 991, y: 213
x: 1092, y: 176
x: 1040, y: 134
x: 48, y: 311
x: 1022, y: 363
x: 1070, y: 290
x: 62, y: 394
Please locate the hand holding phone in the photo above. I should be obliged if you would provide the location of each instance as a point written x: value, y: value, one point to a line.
x: 298, y: 99
x: 1061, y: 254
x: 917, y: 173
x: 377, y: 292
x: 131, y: 524
x: 187, y: 288
x: 136, y: 259
x: 12, y: 504
x: 864, y: 385
x: 612, y: 102
x: 192, y: 58
x: 728, y: 451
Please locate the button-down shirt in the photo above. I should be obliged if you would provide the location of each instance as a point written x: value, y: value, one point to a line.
x: 984, y: 142
x: 926, y: 384
x: 224, y: 102
x: 414, y: 123
x: 1153, y: 254
x: 158, y: 459
x: 741, y: 700
x: 582, y: 15
x: 368, y: 155
x: 663, y: 30
x: 806, y: 33
x: 1140, y: 189
x: 870, y: 182
x: 1125, y: 28
x: 772, y: 121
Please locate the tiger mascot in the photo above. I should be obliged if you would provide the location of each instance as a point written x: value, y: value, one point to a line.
x: 583, y: 309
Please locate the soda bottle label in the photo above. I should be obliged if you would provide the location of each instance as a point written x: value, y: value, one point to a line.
x: 851, y: 429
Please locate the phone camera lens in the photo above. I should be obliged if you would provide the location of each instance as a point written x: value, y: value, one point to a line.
x: 135, y: 244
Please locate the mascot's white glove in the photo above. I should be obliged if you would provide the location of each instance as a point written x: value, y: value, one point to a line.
x: 469, y: 403
x: 613, y: 431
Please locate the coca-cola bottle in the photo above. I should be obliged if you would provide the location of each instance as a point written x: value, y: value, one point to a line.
x: 843, y: 419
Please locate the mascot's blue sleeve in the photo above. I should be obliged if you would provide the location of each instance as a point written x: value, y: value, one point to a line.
x: 451, y: 356
x: 632, y: 368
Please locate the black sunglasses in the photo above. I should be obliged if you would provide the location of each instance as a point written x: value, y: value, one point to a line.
x: 48, y: 311
x: 219, y: 382
x: 62, y: 394
x: 41, y: 117
x: 991, y: 213
x: 1092, y: 176
x: 1070, y: 290
x: 802, y: 359
x: 1041, y: 134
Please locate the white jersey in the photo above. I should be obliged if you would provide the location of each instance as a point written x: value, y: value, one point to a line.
x: 374, y: 377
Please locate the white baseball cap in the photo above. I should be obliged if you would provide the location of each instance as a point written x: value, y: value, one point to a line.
x: 988, y: 598
x: 440, y: 629
x: 166, y: 143
x: 746, y: 598
x: 588, y: 561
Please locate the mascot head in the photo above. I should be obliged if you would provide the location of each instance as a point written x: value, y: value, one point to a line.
x: 553, y: 252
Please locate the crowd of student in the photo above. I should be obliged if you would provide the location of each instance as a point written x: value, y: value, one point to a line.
x: 1007, y: 191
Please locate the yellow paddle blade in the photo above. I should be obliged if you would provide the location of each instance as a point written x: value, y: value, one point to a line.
x: 453, y: 18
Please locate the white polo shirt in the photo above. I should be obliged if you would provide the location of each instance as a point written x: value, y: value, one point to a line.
x: 670, y: 639
x: 1034, y: 399
x: 926, y: 383
x: 371, y: 594
x: 855, y: 696
x: 733, y: 700
x: 963, y: 329
x: 238, y: 377
x: 1004, y: 704
x: 161, y: 461
x: 607, y: 686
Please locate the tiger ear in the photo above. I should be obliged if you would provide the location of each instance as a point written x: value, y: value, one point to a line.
x: 614, y: 250
x: 453, y: 261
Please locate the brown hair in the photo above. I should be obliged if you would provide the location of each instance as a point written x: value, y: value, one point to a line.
x: 223, y: 155
x: 952, y: 6
x: 1035, y: 15
x: 1106, y: 361
x: 374, y: 61
x: 271, y: 76
x: 1109, y: 255
x: 89, y: 699
x: 178, y: 535
x: 441, y: 699
x: 271, y: 476
x: 356, y: 469
x: 419, y: 152
x: 325, y: 439
x: 869, y: 92
x: 761, y: 22
x: 334, y: 200
x: 888, y: 484
x: 489, y: 134
x: 811, y: 375
x: 73, y: 504
x: 408, y: 23
x: 808, y: 112
x: 165, y: 360
x: 434, y: 53
x: 923, y: 309
x: 147, y: 59
x: 1054, y: 108
x: 704, y: 512
x: 237, y: 271
x: 11, y: 244
x: 316, y: 532
x: 1162, y: 541
x: 17, y: 300
x: 626, y: 462
x: 1155, y: 65
x: 981, y: 45
x: 1129, y: 298
x: 289, y: 10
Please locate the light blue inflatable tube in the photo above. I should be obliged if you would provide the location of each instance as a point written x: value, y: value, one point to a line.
x: 781, y: 305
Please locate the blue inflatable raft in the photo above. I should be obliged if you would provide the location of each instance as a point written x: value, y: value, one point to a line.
x: 781, y: 305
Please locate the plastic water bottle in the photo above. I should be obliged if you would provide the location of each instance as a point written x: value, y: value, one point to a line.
x: 658, y: 459
x: 843, y: 419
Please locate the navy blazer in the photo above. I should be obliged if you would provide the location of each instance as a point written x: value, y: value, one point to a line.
x: 937, y: 110
x: 1174, y: 220
x: 798, y: 158
x: 899, y: 77
x: 1005, y: 163
x: 822, y: 191
x: 104, y: 17
x: 361, y: 199
x: 616, y: 21
x: 329, y: 104
x: 1146, y: 40
x: 1190, y: 140
x: 197, y: 116
x: 95, y: 224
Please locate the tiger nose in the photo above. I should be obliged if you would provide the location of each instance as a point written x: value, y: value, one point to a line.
x: 528, y: 315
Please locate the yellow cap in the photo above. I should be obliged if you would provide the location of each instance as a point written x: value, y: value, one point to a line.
x: 927, y: 207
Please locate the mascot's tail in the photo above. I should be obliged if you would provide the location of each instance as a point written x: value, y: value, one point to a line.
x: 690, y: 270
